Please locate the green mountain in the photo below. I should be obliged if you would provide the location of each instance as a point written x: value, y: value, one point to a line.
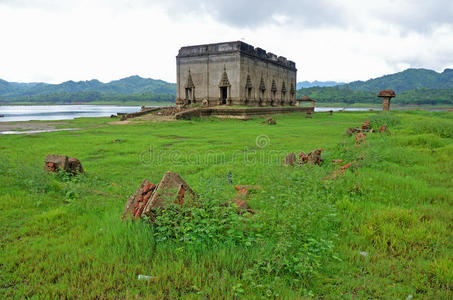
x: 410, y: 79
x: 316, y: 83
x: 133, y: 88
x: 412, y: 86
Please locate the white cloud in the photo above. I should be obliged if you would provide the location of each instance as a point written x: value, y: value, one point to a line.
x: 62, y: 40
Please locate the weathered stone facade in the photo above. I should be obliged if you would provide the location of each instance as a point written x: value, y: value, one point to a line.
x: 234, y: 73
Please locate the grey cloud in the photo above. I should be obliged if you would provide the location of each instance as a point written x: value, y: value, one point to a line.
x: 260, y: 12
x: 406, y: 15
x: 419, y: 15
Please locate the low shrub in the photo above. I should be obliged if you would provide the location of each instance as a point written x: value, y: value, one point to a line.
x: 385, y: 118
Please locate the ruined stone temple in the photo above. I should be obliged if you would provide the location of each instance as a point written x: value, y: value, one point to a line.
x: 234, y: 73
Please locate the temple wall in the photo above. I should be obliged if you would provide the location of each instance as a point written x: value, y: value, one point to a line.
x: 257, y: 69
x: 208, y: 63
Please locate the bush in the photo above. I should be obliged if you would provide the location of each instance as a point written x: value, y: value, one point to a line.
x: 204, y: 226
x: 385, y: 118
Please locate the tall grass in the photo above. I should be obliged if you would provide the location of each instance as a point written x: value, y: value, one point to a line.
x: 380, y: 230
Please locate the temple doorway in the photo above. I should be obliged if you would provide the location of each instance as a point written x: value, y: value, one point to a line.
x: 223, y: 94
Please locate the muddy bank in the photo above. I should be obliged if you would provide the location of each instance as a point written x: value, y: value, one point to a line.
x: 32, y: 127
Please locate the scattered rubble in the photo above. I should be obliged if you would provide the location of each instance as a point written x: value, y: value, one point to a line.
x: 383, y: 129
x: 342, y: 170
x: 75, y: 166
x: 337, y: 161
x: 355, y: 188
x: 137, y: 202
x: 243, y: 191
x: 312, y: 158
x: 55, y: 163
x: 350, y: 131
x: 248, y: 187
x: 269, y: 121
x: 365, y: 128
x: 366, y: 125
x: 346, y: 166
x: 359, y: 138
x: 171, y: 189
x: 290, y: 159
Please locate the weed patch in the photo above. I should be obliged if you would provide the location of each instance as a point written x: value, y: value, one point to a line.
x: 381, y: 230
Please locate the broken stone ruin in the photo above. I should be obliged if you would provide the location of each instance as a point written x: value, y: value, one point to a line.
x: 290, y: 159
x: 366, y: 128
x: 312, y: 158
x: 172, y: 189
x: 269, y: 121
x: 243, y: 192
x: 57, y: 163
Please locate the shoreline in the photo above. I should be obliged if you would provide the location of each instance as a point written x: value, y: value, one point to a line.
x: 318, y: 104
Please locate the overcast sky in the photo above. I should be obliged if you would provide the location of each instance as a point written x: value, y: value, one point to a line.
x: 342, y: 40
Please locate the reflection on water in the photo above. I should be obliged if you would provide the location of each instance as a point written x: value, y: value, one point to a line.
x: 36, y: 131
x: 59, y: 112
x: 12, y: 113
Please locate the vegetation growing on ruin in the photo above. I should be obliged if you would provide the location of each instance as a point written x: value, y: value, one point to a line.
x: 381, y: 230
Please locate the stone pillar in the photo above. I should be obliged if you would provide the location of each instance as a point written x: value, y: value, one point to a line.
x: 386, y: 104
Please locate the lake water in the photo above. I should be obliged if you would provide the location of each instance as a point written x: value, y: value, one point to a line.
x: 13, y: 113
x: 59, y: 112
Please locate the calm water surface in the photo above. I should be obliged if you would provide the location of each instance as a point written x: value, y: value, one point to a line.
x: 59, y: 112
x: 12, y: 113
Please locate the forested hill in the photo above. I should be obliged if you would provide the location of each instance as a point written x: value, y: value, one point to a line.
x: 412, y: 86
x: 133, y: 88
x: 308, y: 84
x: 410, y: 79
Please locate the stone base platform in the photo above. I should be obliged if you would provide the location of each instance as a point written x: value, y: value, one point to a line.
x: 244, y: 113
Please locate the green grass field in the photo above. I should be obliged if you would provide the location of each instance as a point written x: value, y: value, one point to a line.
x: 383, y: 230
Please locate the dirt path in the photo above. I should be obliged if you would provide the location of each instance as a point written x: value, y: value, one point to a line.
x: 31, y: 127
x: 142, y: 119
x: 8, y: 126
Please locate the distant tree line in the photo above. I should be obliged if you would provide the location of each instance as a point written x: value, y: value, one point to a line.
x: 89, y: 96
x: 346, y: 95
